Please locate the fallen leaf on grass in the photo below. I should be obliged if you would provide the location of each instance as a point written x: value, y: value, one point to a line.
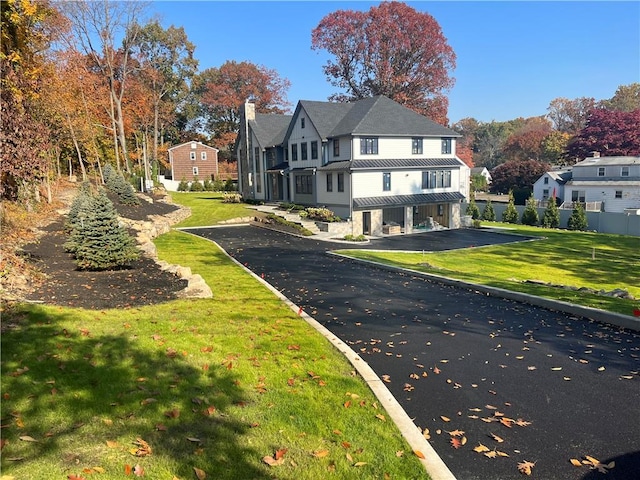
x: 27, y: 438
x: 526, y: 467
x: 200, y: 474
x: 138, y: 471
x: 418, y: 454
x: 320, y: 453
x: 141, y: 449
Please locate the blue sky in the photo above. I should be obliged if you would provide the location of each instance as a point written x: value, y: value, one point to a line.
x: 513, y: 58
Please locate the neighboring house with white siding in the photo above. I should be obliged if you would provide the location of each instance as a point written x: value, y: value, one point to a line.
x: 607, y: 184
x: 551, y: 185
x: 373, y: 161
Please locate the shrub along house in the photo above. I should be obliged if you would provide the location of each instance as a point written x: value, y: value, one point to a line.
x: 373, y: 161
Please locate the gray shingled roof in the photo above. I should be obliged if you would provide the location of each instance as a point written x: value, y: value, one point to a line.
x: 270, y: 128
x: 371, y: 116
x: 561, y: 176
x: 602, y: 161
x: 406, y: 200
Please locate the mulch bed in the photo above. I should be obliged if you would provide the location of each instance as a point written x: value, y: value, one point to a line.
x: 144, y: 283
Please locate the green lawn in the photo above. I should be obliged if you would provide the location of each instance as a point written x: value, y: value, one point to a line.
x: 207, y: 208
x: 214, y: 385
x: 560, y: 257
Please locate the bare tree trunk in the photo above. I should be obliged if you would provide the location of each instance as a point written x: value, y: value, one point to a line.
x: 77, y: 147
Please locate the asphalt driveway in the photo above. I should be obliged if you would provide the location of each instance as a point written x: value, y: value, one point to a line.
x: 527, y: 383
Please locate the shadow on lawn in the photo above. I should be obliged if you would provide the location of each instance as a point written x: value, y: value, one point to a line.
x: 74, y: 391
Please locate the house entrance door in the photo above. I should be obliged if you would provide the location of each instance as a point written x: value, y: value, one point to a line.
x: 366, y: 223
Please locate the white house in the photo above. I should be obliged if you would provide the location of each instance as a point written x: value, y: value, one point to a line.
x: 373, y: 161
x: 607, y: 184
x: 613, y: 181
x: 482, y: 171
x: 551, y: 185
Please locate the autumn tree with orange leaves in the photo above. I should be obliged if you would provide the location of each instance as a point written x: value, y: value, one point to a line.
x: 392, y: 50
x: 223, y: 90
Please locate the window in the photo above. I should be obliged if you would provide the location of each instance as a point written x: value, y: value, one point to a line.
x: 192, y: 155
x: 256, y: 156
x: 302, y: 122
x: 601, y: 171
x: 446, y: 145
x: 303, y: 151
x: 440, y: 210
x: 624, y: 172
x: 194, y: 145
x: 369, y: 146
x: 618, y: 193
x: 304, y: 184
x: 546, y: 180
x: 314, y: 150
x: 545, y: 193
x: 341, y: 182
x: 336, y: 147
x: 203, y: 155
x: 294, y: 152
x: 195, y: 171
x: 416, y: 146
x: 386, y: 181
x: 329, y: 182
x: 436, y: 179
x: 578, y: 196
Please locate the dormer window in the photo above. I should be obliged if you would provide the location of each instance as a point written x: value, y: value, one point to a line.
x: 601, y: 171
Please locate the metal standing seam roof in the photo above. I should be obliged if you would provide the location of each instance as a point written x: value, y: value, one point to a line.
x: 392, y: 163
x: 406, y: 200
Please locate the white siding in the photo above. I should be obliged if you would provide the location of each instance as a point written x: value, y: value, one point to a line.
x: 400, y: 147
x: 306, y: 135
x: 334, y: 198
x: 403, y: 182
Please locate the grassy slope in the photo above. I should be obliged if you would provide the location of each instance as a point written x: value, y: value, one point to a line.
x: 210, y: 384
x: 578, y: 259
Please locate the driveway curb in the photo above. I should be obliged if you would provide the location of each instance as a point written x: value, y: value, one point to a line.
x: 433, y: 464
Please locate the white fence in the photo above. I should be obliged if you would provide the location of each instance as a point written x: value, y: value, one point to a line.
x: 603, y: 222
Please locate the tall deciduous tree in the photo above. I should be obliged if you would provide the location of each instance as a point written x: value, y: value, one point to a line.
x: 516, y: 174
x: 26, y: 31
x: 608, y: 132
x: 626, y: 99
x: 526, y: 142
x: 96, y: 27
x: 224, y: 89
x: 168, y: 64
x: 391, y: 50
x: 570, y: 116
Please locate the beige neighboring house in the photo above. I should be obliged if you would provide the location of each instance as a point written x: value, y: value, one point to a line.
x: 193, y: 161
x: 372, y: 161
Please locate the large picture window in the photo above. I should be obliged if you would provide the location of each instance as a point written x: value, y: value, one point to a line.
x: 304, y: 184
x: 436, y: 179
x: 578, y: 196
x: 368, y: 146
